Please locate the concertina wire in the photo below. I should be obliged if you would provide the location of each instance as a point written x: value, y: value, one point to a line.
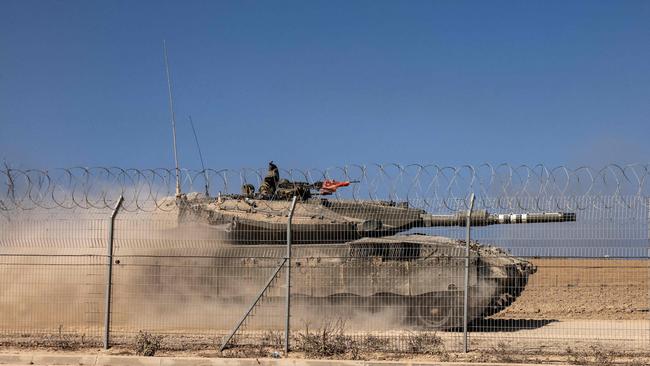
x: 430, y: 187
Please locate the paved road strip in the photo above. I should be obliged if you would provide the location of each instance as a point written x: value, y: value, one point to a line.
x: 109, y: 360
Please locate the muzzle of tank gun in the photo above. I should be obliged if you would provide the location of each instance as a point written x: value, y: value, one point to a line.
x: 483, y: 218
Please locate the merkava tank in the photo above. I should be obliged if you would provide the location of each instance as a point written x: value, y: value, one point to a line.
x: 360, y: 251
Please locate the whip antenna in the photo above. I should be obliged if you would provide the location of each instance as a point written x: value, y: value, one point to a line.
x: 171, y: 111
x: 205, y: 173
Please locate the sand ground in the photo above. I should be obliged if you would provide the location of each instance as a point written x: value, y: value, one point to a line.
x: 596, y: 289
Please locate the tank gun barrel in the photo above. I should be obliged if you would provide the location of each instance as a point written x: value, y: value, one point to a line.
x: 483, y: 218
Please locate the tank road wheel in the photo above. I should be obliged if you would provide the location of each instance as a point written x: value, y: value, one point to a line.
x: 434, y: 317
x: 435, y: 311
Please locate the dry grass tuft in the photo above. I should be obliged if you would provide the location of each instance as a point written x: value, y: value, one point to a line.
x: 426, y: 343
x: 594, y: 355
x: 66, y: 341
x: 147, y: 344
x: 273, y: 339
x: 327, y: 341
x: 371, y: 343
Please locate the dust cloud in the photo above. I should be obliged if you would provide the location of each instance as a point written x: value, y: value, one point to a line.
x: 167, y: 278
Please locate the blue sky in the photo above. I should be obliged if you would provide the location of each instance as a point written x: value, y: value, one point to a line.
x: 319, y: 84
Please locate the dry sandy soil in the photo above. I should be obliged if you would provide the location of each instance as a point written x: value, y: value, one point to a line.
x: 597, y: 289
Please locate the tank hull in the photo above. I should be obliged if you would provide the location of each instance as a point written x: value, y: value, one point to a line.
x: 422, y: 276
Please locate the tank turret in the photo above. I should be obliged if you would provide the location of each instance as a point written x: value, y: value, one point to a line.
x: 243, y: 220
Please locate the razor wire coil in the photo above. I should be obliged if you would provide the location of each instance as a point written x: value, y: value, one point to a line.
x: 431, y: 187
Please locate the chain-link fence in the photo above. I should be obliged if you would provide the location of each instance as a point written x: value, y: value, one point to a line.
x: 377, y: 258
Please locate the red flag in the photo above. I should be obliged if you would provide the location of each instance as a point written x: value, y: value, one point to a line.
x: 330, y: 186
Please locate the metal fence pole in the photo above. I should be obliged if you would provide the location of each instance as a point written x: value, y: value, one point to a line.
x: 466, y: 290
x: 109, y: 274
x: 288, y: 264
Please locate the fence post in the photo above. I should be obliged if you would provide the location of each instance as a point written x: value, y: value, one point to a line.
x: 468, y: 225
x: 109, y: 274
x: 288, y: 264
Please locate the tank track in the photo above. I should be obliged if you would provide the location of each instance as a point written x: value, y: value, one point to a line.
x: 509, y: 288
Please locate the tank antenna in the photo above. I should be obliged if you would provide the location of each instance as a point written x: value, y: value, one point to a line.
x: 173, y: 116
x: 198, y: 147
